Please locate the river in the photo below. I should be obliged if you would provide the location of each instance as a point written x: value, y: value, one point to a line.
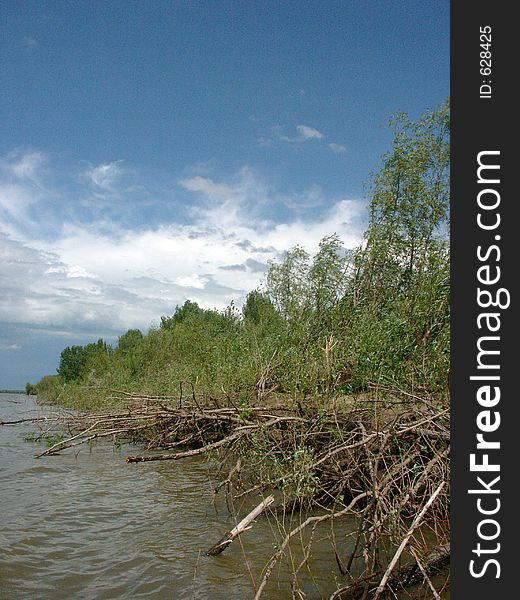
x: 87, y: 525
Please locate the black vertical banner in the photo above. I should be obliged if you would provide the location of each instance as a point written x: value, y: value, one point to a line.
x: 485, y: 357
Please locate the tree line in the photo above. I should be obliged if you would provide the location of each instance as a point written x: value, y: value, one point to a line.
x: 337, y: 322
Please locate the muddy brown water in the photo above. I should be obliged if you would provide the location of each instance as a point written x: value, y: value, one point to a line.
x: 87, y: 525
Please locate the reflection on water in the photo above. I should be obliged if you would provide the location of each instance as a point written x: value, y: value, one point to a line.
x: 86, y: 525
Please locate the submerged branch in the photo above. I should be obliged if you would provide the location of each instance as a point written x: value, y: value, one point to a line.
x: 386, y: 469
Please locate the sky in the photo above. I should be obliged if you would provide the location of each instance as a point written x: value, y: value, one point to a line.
x: 154, y: 152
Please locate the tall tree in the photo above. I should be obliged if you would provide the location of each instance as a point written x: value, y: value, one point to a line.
x: 410, y: 200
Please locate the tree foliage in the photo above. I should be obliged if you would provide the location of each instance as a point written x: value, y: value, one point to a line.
x: 336, y: 322
x: 409, y: 208
x: 129, y: 341
x: 76, y: 361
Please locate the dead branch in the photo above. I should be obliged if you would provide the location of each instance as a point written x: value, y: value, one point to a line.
x: 415, y: 524
x: 387, y: 464
x: 224, y: 542
x: 178, y: 455
x: 301, y: 527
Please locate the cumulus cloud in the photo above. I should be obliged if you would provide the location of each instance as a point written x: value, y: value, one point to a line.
x: 101, y: 277
x: 40, y: 289
x: 89, y: 281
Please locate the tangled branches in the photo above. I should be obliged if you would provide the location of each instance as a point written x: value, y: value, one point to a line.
x: 384, y: 462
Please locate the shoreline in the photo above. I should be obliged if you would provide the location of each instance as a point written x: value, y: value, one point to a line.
x: 362, y: 457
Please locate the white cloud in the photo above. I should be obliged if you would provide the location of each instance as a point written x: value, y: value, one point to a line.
x: 309, y: 133
x: 242, y: 196
x: 89, y: 281
x: 22, y: 165
x: 70, y: 272
x: 207, y: 186
x: 305, y: 133
x: 105, y: 175
x: 98, y: 275
x: 20, y: 188
x: 14, y: 203
x: 337, y: 148
x: 193, y: 281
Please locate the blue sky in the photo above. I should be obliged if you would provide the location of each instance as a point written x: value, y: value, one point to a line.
x: 152, y: 152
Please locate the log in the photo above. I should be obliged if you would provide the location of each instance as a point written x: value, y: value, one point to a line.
x: 177, y: 455
x: 407, y: 576
x: 224, y: 542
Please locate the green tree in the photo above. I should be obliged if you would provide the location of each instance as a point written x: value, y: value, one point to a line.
x: 73, y: 361
x: 188, y: 311
x: 399, y: 292
x: 287, y: 283
x: 328, y: 275
x: 76, y: 360
x: 258, y: 309
x: 129, y: 341
x: 31, y: 389
x: 410, y: 202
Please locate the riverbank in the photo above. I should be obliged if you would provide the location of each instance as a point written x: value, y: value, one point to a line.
x: 376, y: 459
x: 329, y: 388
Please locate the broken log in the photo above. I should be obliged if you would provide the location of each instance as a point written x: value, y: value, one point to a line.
x: 224, y: 542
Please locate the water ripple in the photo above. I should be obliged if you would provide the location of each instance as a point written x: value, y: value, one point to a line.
x: 89, y: 526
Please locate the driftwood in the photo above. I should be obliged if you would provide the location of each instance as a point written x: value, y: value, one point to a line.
x: 179, y: 455
x: 433, y: 562
x: 224, y: 542
x: 415, y: 524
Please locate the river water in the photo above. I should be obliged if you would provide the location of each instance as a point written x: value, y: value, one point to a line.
x: 87, y: 525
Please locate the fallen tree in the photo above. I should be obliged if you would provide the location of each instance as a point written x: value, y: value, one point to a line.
x: 386, y: 467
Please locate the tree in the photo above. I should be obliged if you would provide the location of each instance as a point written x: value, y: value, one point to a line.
x: 287, y: 283
x: 328, y: 275
x: 31, y: 389
x: 76, y: 360
x: 188, y: 311
x: 258, y: 309
x: 73, y: 361
x: 129, y: 341
x: 400, y: 291
x: 410, y: 201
